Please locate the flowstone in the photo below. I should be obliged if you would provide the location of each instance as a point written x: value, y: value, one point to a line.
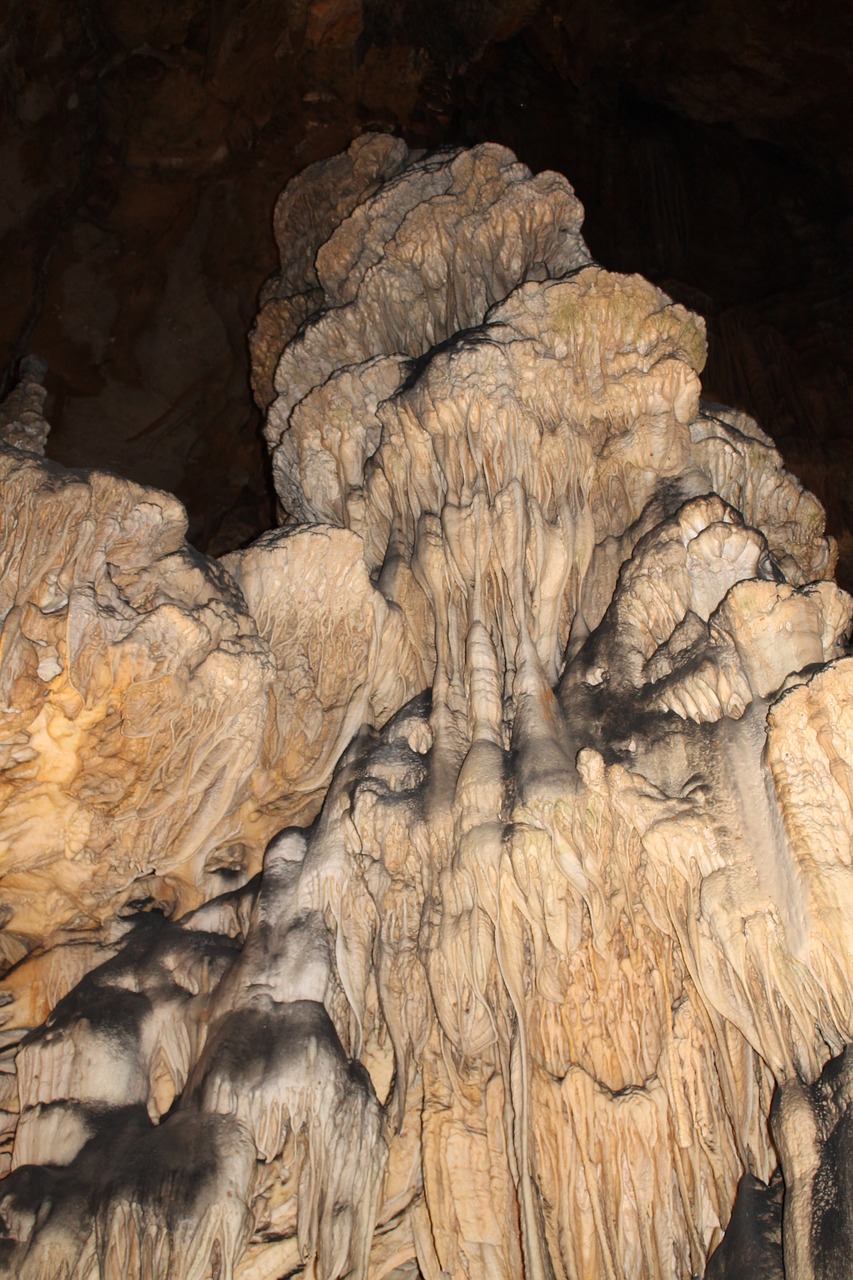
x: 557, y: 649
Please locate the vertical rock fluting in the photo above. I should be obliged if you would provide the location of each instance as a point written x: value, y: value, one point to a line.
x: 561, y: 647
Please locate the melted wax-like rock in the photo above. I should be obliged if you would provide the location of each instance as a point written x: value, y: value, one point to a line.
x: 132, y: 677
x: 560, y: 647
x: 154, y: 732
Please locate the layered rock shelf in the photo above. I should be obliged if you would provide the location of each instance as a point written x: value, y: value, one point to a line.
x: 458, y: 880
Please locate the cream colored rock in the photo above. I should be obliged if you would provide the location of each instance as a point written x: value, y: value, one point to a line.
x: 557, y: 649
x: 309, y: 209
x: 122, y: 646
x: 131, y: 675
x: 344, y: 658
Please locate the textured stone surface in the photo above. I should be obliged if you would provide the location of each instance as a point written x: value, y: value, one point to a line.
x: 558, y: 648
x: 134, y: 673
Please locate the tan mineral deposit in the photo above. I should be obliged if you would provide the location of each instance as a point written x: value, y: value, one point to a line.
x: 457, y: 882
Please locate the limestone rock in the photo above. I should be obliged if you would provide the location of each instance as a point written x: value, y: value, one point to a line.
x: 558, y: 649
x: 311, y: 207
x: 344, y: 658
x: 131, y: 673
x: 22, y: 420
x: 753, y: 1243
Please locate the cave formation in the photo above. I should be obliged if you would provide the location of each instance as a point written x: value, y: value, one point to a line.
x: 455, y: 879
x: 144, y: 146
x: 538, y: 703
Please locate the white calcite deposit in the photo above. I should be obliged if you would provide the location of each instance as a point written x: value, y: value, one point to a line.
x: 538, y: 704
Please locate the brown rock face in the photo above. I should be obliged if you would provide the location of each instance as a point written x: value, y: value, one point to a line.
x: 544, y: 688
